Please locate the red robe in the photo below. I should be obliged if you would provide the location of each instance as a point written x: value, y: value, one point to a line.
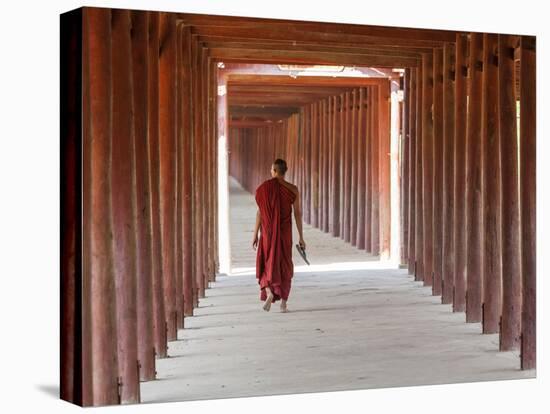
x: 274, y: 267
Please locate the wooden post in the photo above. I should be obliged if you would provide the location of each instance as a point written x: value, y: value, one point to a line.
x: 527, y: 179
x: 360, y: 186
x: 492, y: 272
x: 179, y: 183
x: 375, y: 153
x: 437, y: 120
x: 75, y: 341
x: 314, y: 166
x: 419, y: 202
x: 322, y: 157
x: 384, y: 173
x: 405, y: 170
x: 354, y: 175
x: 186, y: 167
x: 460, y: 149
x: 474, y: 219
x: 427, y: 165
x: 448, y: 254
x: 335, y: 170
x: 98, y: 269
x: 368, y: 170
x: 341, y: 159
x: 347, y: 168
x: 123, y: 197
x: 146, y: 350
x: 159, y: 312
x: 412, y: 144
x: 167, y: 152
x: 511, y: 253
x: 326, y: 166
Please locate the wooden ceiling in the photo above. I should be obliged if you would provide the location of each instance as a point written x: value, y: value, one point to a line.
x: 244, y: 40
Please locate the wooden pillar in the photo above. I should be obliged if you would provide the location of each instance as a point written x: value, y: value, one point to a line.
x: 419, y: 202
x: 448, y: 254
x: 473, y: 183
x: 354, y: 170
x: 179, y: 183
x: 361, y: 176
x: 375, y: 164
x: 412, y: 143
x: 98, y: 269
x: 427, y: 165
x: 384, y: 154
x: 527, y: 179
x: 341, y: 160
x: 146, y: 349
x: 492, y: 272
x: 405, y: 170
x: 322, y: 157
x: 326, y: 168
x: 186, y: 170
x: 74, y: 335
x: 368, y: 169
x: 167, y: 139
x: 437, y: 125
x: 460, y: 149
x: 314, y: 165
x: 474, y: 219
x: 511, y: 253
x: 123, y: 196
x: 335, y: 170
x: 308, y: 173
x: 159, y: 313
x: 347, y: 168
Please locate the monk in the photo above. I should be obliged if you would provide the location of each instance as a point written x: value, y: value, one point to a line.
x: 276, y: 199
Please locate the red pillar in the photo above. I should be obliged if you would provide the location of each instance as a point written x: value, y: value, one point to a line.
x: 123, y: 197
x: 511, y: 257
x: 412, y: 144
x: 354, y: 169
x: 460, y: 149
x: 361, y: 176
x: 527, y: 177
x: 368, y: 170
x: 146, y: 349
x: 186, y: 171
x: 427, y: 165
x: 99, y: 298
x: 405, y: 170
x: 419, y: 215
x: 474, y: 221
x: 167, y: 139
x: 448, y: 253
x: 335, y: 169
x: 375, y: 150
x: 492, y: 272
x: 347, y: 168
x: 384, y: 173
x: 159, y: 316
x: 437, y: 137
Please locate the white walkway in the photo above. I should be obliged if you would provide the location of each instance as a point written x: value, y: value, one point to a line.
x: 352, y: 325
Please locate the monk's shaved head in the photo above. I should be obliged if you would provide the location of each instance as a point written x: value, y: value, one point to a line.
x: 279, y: 166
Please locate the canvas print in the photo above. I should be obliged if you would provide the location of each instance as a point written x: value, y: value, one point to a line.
x: 252, y: 206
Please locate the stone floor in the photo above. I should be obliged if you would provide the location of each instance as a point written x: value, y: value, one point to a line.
x: 354, y: 323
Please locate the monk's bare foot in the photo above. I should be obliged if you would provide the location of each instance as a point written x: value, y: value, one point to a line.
x: 284, y: 309
x: 267, y: 303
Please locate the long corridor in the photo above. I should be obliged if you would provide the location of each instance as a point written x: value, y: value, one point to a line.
x: 354, y: 323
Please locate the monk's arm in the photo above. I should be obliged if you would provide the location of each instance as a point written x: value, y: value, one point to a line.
x: 256, y: 229
x: 298, y: 218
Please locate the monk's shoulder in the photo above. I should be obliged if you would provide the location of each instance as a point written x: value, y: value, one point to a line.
x: 291, y: 187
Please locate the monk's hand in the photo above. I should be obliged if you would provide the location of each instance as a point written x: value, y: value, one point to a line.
x: 302, y: 243
x: 255, y: 242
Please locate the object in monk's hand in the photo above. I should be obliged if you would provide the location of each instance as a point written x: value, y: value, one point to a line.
x: 302, y: 253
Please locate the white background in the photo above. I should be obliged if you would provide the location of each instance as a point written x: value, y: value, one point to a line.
x: 29, y: 211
